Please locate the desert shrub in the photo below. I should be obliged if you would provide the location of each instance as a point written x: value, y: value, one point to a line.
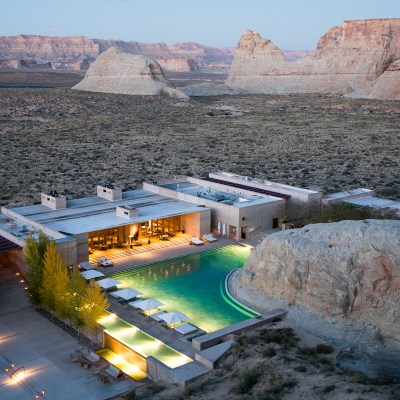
x: 306, y: 351
x: 269, y: 352
x: 328, y: 389
x: 324, y: 348
x: 247, y: 380
x: 284, y: 336
x: 277, y: 388
x: 300, y: 368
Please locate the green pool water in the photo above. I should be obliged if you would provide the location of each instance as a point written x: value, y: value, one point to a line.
x: 194, y: 285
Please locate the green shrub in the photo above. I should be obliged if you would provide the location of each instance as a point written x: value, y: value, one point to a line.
x: 284, y: 336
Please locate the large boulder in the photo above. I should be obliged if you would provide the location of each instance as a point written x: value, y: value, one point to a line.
x: 349, y: 57
x: 340, y: 281
x: 344, y: 270
x: 117, y: 72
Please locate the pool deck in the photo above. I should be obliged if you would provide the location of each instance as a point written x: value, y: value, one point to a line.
x: 153, y: 254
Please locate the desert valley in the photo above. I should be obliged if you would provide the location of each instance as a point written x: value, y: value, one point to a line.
x: 77, y: 112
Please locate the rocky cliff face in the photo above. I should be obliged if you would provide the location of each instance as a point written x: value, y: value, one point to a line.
x: 31, y: 47
x: 349, y: 57
x: 178, y: 64
x: 118, y: 72
x: 68, y: 50
x: 348, y: 270
x: 387, y: 86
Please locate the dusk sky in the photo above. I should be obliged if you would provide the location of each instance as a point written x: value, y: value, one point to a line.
x: 290, y: 24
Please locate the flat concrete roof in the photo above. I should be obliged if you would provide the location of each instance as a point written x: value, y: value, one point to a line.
x: 375, y: 202
x: 95, y: 213
x: 268, y: 185
x: 349, y: 193
x: 219, y: 196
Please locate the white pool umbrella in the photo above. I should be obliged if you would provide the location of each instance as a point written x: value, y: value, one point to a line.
x: 224, y: 229
x: 92, y: 274
x: 108, y: 283
x: 126, y: 294
x: 174, y: 317
x: 219, y: 227
x: 149, y: 304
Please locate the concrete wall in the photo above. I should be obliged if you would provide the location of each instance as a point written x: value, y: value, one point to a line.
x: 198, y: 223
x: 82, y: 247
x: 259, y: 217
x: 13, y: 260
x: 67, y: 248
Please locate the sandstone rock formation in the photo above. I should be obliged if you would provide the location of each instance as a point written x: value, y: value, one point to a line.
x: 184, y: 64
x: 66, y: 51
x: 348, y: 58
x: 46, y: 48
x: 118, y: 72
x: 348, y: 270
x: 387, y: 86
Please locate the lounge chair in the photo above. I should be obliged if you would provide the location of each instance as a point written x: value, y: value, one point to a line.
x: 93, y: 357
x: 156, y: 316
x: 185, y: 329
x: 196, y: 241
x: 105, y: 262
x: 114, y: 372
x: 209, y: 238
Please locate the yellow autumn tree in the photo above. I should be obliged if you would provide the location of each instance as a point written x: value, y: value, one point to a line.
x: 54, y: 292
x: 94, y: 304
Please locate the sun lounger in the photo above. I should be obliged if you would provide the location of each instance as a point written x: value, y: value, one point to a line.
x: 114, y: 372
x: 135, y: 303
x: 105, y: 262
x: 196, y: 241
x: 156, y: 316
x: 185, y: 329
x: 209, y: 238
x: 93, y: 357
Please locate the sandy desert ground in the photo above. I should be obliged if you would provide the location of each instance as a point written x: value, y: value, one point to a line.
x: 69, y: 140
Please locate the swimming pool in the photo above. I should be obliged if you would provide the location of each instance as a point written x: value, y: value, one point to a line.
x: 194, y: 285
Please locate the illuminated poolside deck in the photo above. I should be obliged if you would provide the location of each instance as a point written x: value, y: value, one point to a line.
x: 140, y: 342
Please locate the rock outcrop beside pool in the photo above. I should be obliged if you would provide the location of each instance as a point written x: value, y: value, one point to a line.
x: 346, y: 274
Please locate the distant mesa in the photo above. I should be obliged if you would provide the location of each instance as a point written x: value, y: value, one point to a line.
x: 348, y: 58
x: 65, y: 52
x: 117, y: 72
x: 184, y: 64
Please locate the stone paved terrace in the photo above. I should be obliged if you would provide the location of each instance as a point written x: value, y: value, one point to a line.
x: 28, y: 339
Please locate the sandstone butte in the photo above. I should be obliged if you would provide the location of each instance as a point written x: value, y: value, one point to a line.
x: 345, y: 272
x: 348, y: 58
x: 118, y: 72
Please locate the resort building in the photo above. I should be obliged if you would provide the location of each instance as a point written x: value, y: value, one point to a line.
x: 224, y: 204
x: 363, y: 197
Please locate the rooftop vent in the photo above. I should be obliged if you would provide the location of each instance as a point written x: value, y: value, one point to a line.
x: 109, y: 192
x: 127, y: 212
x: 53, y: 200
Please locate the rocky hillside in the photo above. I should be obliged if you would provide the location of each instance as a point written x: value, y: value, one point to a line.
x: 117, y: 72
x: 348, y: 58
